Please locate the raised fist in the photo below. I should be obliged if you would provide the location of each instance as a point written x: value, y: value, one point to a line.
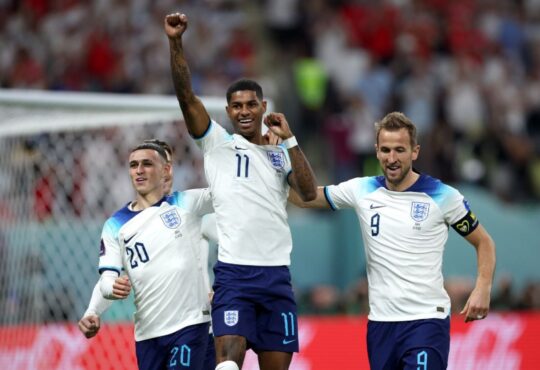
x: 175, y: 24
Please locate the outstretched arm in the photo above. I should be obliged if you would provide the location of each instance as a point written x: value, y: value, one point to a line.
x: 302, y: 178
x: 477, y: 306
x: 319, y: 201
x: 195, y: 114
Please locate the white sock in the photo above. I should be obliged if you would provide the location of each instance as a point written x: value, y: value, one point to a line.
x: 227, y: 365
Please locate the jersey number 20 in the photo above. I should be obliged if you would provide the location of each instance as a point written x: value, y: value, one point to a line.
x: 137, y: 253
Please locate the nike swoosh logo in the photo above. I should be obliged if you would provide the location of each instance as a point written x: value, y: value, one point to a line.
x: 285, y: 341
x: 127, y: 240
x: 375, y: 207
x: 238, y: 148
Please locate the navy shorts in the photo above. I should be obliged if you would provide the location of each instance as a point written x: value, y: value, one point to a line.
x: 411, y: 345
x: 256, y: 302
x: 187, y: 348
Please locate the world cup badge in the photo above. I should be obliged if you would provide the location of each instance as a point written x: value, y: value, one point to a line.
x: 171, y: 219
x: 230, y: 318
x: 277, y: 159
x: 419, y: 211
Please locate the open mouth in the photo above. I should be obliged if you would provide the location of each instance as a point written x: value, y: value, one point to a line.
x: 246, y: 122
x: 394, y: 169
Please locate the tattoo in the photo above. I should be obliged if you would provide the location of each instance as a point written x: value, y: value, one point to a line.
x: 303, y: 178
x: 180, y: 73
x: 194, y: 112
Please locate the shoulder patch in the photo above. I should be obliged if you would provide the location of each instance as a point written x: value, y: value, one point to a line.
x: 102, y: 249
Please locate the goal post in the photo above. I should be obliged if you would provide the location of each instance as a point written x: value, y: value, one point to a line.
x: 63, y: 171
x: 36, y: 111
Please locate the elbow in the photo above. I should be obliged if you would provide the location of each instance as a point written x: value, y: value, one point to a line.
x: 308, y: 196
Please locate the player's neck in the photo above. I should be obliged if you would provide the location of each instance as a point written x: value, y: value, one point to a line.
x: 144, y: 201
x: 256, y: 138
x: 406, y: 183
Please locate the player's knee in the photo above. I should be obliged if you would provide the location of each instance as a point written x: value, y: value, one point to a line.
x: 227, y: 365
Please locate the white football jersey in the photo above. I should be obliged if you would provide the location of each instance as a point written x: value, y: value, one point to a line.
x: 160, y: 249
x: 404, y: 234
x: 249, y: 190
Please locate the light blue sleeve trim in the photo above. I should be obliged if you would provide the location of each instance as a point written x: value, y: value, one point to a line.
x: 210, y: 124
x: 286, y: 152
x: 329, y: 199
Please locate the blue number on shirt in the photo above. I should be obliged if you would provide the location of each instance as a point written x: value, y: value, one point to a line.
x: 375, y: 224
x: 421, y: 360
x: 185, y: 356
x: 172, y: 361
x: 142, y: 255
x: 239, y: 165
x: 289, y: 324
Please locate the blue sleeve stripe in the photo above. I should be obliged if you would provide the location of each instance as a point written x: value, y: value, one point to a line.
x: 109, y: 268
x: 204, y: 133
x: 328, y: 199
x: 287, y: 177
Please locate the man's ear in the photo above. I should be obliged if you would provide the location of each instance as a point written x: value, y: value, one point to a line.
x: 415, y: 152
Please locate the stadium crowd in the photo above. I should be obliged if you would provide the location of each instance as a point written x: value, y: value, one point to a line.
x: 467, y: 72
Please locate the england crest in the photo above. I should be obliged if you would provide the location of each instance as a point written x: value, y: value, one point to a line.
x: 171, y: 218
x: 230, y: 318
x: 419, y: 211
x: 277, y: 159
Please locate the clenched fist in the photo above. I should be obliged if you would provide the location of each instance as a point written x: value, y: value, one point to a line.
x: 175, y: 24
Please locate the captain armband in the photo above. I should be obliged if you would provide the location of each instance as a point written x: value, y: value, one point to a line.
x: 467, y: 224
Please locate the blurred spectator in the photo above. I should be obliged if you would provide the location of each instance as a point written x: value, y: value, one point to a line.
x: 324, y: 300
x: 468, y: 68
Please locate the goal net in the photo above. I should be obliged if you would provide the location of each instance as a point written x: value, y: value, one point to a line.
x: 62, y: 173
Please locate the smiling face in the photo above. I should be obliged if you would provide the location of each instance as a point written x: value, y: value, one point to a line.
x: 396, y: 154
x: 148, y: 171
x: 246, y: 112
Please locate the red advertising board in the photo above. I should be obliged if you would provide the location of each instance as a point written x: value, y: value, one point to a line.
x: 507, y: 341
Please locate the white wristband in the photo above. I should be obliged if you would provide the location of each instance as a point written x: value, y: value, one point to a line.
x: 290, y: 142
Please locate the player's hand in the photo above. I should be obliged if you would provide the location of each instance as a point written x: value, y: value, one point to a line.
x: 277, y: 123
x: 271, y: 139
x: 477, y: 306
x: 121, y: 287
x: 89, y: 325
x: 175, y: 25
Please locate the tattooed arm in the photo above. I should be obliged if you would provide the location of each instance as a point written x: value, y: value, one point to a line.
x: 302, y: 178
x: 195, y: 114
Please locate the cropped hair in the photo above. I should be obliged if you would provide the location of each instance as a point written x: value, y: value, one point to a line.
x: 395, y: 121
x: 163, y: 144
x: 153, y: 146
x: 244, y: 84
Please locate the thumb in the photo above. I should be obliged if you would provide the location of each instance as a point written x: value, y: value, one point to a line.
x: 465, y: 308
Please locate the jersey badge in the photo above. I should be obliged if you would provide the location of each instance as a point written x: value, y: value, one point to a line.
x: 171, y: 218
x: 102, y: 248
x: 277, y: 159
x: 419, y: 211
x: 230, y: 317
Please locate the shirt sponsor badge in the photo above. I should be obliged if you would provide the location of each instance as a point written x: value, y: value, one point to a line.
x: 171, y: 219
x: 277, y: 159
x: 419, y: 211
x: 230, y: 318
